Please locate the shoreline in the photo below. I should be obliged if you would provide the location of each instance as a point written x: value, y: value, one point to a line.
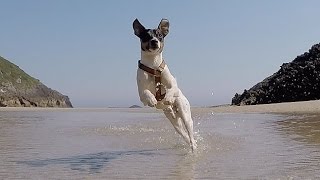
x: 290, y: 107
x: 309, y: 107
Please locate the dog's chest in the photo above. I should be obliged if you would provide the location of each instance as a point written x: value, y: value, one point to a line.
x: 148, y: 81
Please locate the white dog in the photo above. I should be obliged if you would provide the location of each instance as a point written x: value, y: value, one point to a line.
x: 156, y: 86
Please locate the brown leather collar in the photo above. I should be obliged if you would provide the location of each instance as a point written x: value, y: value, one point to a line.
x: 154, y: 72
x: 157, y: 78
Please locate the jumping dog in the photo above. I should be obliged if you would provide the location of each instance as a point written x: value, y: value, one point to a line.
x: 156, y: 85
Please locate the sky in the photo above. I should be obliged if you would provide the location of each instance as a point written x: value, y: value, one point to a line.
x: 87, y: 50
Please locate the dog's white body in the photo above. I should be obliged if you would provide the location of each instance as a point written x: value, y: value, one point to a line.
x: 175, y: 105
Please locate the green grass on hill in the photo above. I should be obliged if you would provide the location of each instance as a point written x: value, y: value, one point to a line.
x: 12, y: 74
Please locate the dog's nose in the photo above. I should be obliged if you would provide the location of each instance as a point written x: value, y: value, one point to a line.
x: 154, y: 42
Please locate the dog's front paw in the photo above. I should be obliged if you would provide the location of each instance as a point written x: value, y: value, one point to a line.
x: 168, y: 100
x: 152, y: 101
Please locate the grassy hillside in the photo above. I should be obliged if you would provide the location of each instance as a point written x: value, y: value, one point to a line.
x: 12, y: 75
x: 18, y: 89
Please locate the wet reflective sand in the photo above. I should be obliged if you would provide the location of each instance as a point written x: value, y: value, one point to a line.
x: 142, y: 144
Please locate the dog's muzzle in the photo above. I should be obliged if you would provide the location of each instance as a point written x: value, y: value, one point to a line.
x: 154, y: 44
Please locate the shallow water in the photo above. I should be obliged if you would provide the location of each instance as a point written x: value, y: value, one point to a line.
x: 142, y: 144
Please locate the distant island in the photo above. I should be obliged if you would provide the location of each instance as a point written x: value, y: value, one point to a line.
x: 135, y: 106
x: 298, y: 80
x: 18, y: 89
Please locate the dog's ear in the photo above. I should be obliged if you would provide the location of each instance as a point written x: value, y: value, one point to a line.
x: 137, y: 27
x: 164, y: 27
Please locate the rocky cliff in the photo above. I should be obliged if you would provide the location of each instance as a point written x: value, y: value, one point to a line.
x: 298, y: 80
x: 18, y: 89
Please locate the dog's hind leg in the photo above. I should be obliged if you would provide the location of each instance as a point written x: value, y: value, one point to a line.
x: 184, y: 112
x: 177, y: 123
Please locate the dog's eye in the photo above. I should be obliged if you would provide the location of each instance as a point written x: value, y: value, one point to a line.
x: 158, y: 33
x: 160, y: 36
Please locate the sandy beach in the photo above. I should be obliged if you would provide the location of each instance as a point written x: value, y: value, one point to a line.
x: 291, y: 107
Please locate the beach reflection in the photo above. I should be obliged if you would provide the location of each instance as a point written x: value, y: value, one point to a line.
x: 305, y: 129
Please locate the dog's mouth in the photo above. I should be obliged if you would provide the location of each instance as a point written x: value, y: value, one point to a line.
x: 154, y: 47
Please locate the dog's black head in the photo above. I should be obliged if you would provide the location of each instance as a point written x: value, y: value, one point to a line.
x: 152, y: 40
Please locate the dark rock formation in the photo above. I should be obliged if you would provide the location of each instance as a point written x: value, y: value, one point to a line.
x: 135, y: 106
x: 298, y: 80
x: 18, y: 89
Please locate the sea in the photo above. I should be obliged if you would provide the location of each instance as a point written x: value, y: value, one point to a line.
x: 121, y: 143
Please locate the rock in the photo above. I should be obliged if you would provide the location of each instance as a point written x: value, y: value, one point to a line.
x: 135, y: 106
x: 18, y: 89
x: 298, y: 80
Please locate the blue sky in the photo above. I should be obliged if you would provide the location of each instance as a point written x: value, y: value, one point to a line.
x: 87, y: 49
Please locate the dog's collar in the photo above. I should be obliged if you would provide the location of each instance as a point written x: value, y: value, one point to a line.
x: 154, y: 72
x: 157, y: 78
